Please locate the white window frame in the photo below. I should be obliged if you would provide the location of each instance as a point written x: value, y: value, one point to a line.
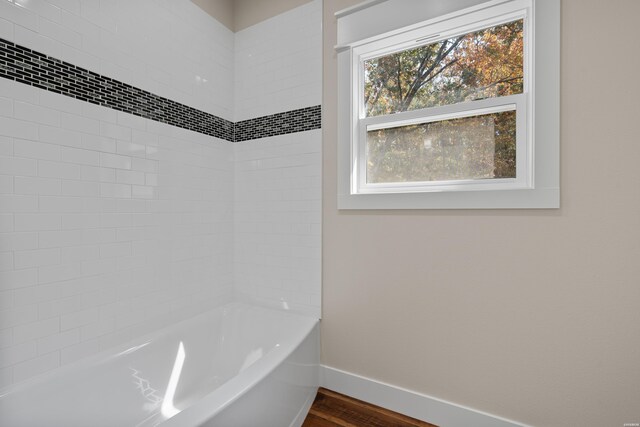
x: 536, y: 183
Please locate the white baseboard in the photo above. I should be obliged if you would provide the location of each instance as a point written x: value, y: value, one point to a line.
x: 407, y: 402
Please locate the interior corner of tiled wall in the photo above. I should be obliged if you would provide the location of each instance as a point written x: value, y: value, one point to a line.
x: 124, y: 203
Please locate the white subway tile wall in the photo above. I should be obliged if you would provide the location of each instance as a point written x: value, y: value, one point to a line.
x: 169, y: 48
x: 111, y: 225
x: 103, y: 238
x: 278, y: 63
x: 277, y: 204
x: 277, y: 220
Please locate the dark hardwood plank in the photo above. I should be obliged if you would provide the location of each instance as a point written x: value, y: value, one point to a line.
x: 316, y: 421
x: 331, y: 409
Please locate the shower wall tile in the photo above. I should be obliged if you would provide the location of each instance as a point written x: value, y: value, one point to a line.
x: 278, y: 63
x: 109, y: 227
x: 36, y: 69
x: 277, y: 221
x: 6, y: 29
x: 277, y: 204
x: 171, y: 49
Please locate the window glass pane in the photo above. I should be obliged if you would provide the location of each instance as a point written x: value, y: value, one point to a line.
x: 482, y: 64
x: 477, y: 147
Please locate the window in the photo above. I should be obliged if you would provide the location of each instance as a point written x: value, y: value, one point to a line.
x: 440, y: 114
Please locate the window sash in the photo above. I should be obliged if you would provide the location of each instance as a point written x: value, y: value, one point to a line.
x: 426, y: 35
x: 432, y: 34
x: 524, y: 157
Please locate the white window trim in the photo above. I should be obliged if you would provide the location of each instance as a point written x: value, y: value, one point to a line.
x: 537, y: 189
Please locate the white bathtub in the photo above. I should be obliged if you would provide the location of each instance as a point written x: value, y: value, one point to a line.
x: 237, y: 366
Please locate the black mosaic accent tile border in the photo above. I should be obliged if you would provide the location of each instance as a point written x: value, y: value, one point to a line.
x: 30, y: 67
x: 279, y: 124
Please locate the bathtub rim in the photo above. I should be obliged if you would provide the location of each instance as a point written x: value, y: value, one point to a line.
x: 200, y: 412
x: 111, y: 353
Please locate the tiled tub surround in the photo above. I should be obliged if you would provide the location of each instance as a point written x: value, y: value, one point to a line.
x: 277, y: 199
x: 277, y: 220
x: 169, y: 48
x: 275, y: 71
x: 39, y: 70
x: 300, y: 120
x: 113, y: 225
x: 36, y: 69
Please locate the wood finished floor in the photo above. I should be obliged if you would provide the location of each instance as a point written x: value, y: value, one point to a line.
x: 331, y: 409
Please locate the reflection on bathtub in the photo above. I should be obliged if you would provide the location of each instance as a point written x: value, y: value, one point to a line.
x: 148, y: 392
x: 251, y: 358
x: 168, y: 409
x: 132, y: 349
